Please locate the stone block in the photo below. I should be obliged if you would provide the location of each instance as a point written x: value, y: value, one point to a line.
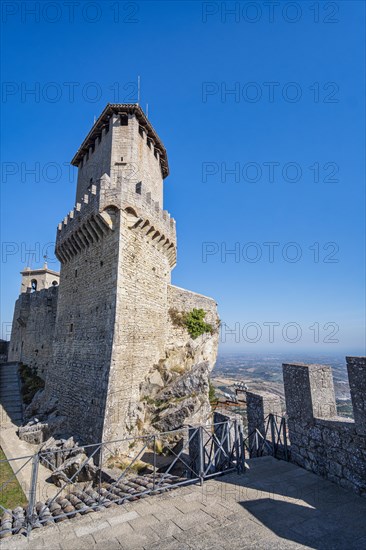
x: 309, y: 391
x: 356, y: 367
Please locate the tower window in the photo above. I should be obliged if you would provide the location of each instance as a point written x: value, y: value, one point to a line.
x: 139, y: 187
x: 34, y: 285
x: 71, y: 327
x: 54, y: 283
x: 124, y: 120
x: 76, y: 273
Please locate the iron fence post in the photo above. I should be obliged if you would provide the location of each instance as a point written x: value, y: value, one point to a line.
x: 284, y: 438
x: 201, y: 459
x: 154, y: 459
x: 242, y: 449
x: 100, y: 472
x: 32, y: 492
x: 236, y: 435
x: 272, y: 421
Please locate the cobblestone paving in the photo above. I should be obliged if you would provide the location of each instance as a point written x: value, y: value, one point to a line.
x: 273, y: 505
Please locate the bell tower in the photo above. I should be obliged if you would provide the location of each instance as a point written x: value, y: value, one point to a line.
x: 38, y: 279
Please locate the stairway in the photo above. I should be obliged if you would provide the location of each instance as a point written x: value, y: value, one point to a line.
x: 11, y: 408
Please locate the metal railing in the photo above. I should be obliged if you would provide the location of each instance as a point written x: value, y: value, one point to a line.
x: 100, y: 475
x: 272, y: 440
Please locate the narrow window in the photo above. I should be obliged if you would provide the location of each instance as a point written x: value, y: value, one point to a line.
x: 34, y: 285
x: 139, y: 187
x: 76, y: 272
x: 71, y: 327
x: 124, y: 119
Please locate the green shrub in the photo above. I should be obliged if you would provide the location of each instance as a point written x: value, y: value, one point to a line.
x: 193, y: 321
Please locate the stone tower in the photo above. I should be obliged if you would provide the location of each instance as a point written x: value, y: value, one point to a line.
x: 117, y: 248
x: 38, y: 279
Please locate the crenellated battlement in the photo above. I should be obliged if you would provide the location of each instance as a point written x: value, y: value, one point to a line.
x: 112, y: 192
x: 329, y: 445
x: 309, y: 392
x: 91, y: 219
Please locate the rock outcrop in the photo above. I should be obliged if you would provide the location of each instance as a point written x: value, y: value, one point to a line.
x: 175, y: 391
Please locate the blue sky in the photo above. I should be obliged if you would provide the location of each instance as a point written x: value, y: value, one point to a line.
x: 292, y: 130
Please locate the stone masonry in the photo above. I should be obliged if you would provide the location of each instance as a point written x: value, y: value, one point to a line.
x: 33, y: 329
x: 34, y: 319
x: 113, y: 329
x: 331, y: 446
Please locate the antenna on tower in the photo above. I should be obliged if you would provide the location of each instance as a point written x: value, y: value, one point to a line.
x: 138, y: 90
x: 95, y: 118
x: 147, y: 110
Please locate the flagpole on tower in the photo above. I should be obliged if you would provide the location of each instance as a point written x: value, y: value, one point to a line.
x: 138, y: 90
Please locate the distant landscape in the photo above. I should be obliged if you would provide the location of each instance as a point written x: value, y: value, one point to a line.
x: 264, y: 372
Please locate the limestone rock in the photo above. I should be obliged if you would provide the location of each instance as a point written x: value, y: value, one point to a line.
x: 70, y: 467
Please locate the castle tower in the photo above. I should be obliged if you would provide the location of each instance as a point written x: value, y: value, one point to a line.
x: 117, y: 248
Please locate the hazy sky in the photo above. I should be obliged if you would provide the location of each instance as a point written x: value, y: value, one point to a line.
x: 261, y: 111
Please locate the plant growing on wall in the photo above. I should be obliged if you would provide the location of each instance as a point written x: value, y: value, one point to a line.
x: 193, y: 321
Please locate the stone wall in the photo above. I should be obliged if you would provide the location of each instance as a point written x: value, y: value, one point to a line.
x: 95, y: 163
x: 85, y: 322
x: 33, y: 329
x: 331, y: 446
x: 134, y: 159
x: 328, y: 445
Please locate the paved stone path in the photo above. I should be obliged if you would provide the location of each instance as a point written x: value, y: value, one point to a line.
x: 273, y: 505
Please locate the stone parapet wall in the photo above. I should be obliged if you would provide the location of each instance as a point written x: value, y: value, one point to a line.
x: 328, y: 445
x: 331, y: 449
x: 331, y: 446
x: 113, y: 192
